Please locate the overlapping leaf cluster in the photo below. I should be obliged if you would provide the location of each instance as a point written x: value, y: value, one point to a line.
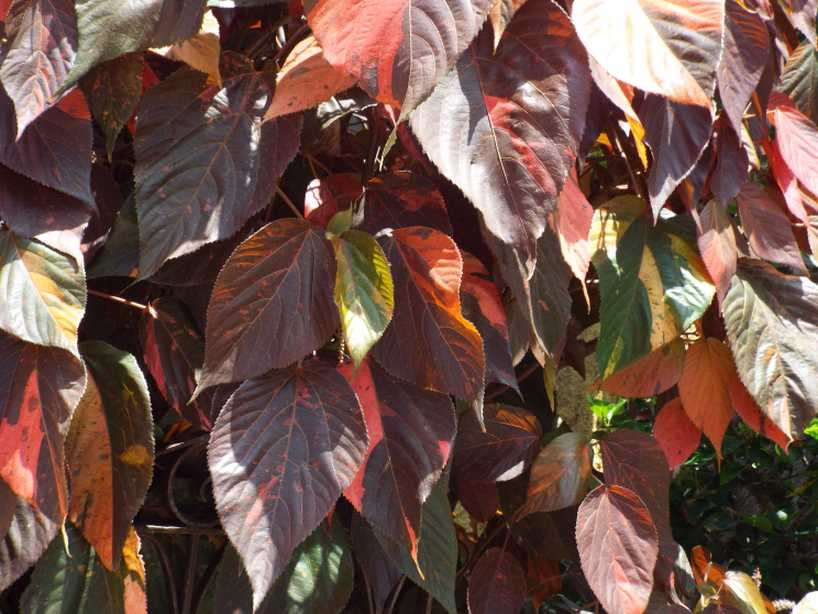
x: 344, y: 259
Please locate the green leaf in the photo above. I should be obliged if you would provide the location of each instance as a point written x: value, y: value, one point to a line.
x: 772, y: 325
x: 812, y: 429
x: 42, y: 292
x: 437, y: 549
x: 653, y: 283
x: 363, y: 290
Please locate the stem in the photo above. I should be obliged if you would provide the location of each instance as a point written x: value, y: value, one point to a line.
x: 428, y: 604
x: 289, y: 202
x: 613, y: 135
x: 291, y: 42
x: 122, y: 301
x: 394, y: 599
x: 190, y: 578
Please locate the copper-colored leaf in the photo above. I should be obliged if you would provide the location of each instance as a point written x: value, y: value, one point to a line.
x: 272, y: 303
x: 705, y: 388
x: 402, y: 199
x: 282, y: 450
x: 559, y: 475
x: 396, y: 49
x: 572, y: 223
x: 617, y: 548
x: 748, y: 409
x: 428, y: 327
x: 39, y: 388
x: 111, y: 431
x: 305, y: 80
x: 717, y: 244
x: 497, y: 584
x: 411, y: 432
x: 797, y: 139
x: 674, y: 431
x: 650, y: 375
x: 799, y: 80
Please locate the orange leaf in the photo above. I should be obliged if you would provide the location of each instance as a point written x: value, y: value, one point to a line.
x: 650, y: 375
x: 676, y: 434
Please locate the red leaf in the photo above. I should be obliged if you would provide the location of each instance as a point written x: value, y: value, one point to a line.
x: 397, y: 49
x: 767, y: 226
x: 650, y: 375
x: 748, y: 409
x: 428, y: 327
x: 281, y: 452
x: 39, y: 388
x: 327, y: 196
x: 559, y: 475
x: 732, y: 162
x: 704, y: 388
x: 174, y: 352
x: 674, y: 431
x: 502, y: 451
x: 402, y: 199
x: 786, y: 180
x: 797, y: 140
x: 483, y: 306
x: 572, y: 223
x: 277, y: 286
x: 42, y: 43
x: 618, y: 548
x: 717, y: 245
x: 497, y: 584
x: 505, y: 127
x: 745, y: 54
x: 411, y: 432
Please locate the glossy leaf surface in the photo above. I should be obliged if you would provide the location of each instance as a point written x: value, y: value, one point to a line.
x: 559, y: 475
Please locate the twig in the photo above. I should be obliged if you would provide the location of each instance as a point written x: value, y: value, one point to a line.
x: 291, y: 42
x: 394, y: 600
x: 190, y: 576
x: 289, y: 202
x: 122, y: 301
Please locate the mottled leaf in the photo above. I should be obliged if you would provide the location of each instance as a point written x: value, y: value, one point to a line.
x: 559, y: 475
x: 111, y: 431
x: 717, y: 244
x: 572, y: 223
x: 401, y: 199
x: 746, y: 52
x: 618, y: 548
x: 799, y: 80
x: 505, y: 126
x: 305, y: 80
x: 497, y: 584
x: 650, y: 375
x: 428, y: 325
x: 281, y: 452
x: 667, y: 47
x: 173, y: 351
x: 43, y: 292
x: 411, y: 432
x: 772, y: 324
x: 396, y: 49
x: 500, y: 452
x: 797, y: 138
x: 674, y: 431
x: 42, y: 41
x: 39, y: 389
x: 276, y: 286
x: 363, y: 291
x: 653, y: 284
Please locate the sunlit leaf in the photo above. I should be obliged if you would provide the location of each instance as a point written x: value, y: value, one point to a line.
x: 799, y: 80
x: 618, y: 547
x: 497, y: 584
x: 282, y: 450
x: 797, y: 138
x: 674, y: 431
x: 111, y: 431
x: 650, y: 375
x: 559, y: 474
x: 717, y: 244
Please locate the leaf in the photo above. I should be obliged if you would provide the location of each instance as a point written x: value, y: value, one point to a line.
x: 732, y: 162
x: 25, y: 533
x: 437, y: 549
x: 682, y: 39
x: 799, y: 80
x: 572, y: 223
x: 428, y: 325
x: 108, y: 29
x: 771, y: 325
x: 807, y: 605
x: 505, y: 126
x: 704, y: 388
x: 653, y: 284
x: 674, y: 431
x: 39, y: 389
x: 70, y: 578
x: 55, y: 148
x: 380, y: 574
x: 767, y: 227
x: 111, y: 431
x: 742, y: 592
x: 396, y: 49
x: 288, y: 268
x: 326, y: 196
x: 650, y: 375
x: 717, y: 245
x: 501, y: 14
x: 113, y: 90
x: 363, y: 293
x: 401, y: 199
x: 677, y: 135
x: 411, y: 432
x: 748, y: 409
x: 500, y: 452
x: 199, y: 153
x: 43, y: 292
x: 305, y: 80
x: 483, y: 306
x: 282, y: 450
x: 201, y: 51
x: 618, y: 548
x: 317, y: 580
x: 559, y: 475
x: 42, y: 40
x: 497, y: 584
x: 746, y: 52
x: 796, y: 137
